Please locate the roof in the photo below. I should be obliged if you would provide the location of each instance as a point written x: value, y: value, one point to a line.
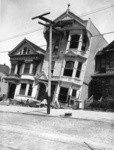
x: 106, y: 49
x: 103, y: 74
x: 34, y: 46
x: 72, y: 16
x: 4, y: 69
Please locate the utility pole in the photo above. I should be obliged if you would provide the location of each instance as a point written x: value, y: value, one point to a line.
x: 50, y: 25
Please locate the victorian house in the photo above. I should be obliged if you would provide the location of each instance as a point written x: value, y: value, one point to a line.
x: 74, y: 45
x: 26, y: 60
x: 103, y: 78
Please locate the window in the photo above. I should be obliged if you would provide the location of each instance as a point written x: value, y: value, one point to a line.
x: 56, y: 46
x: 112, y: 60
x: 74, y: 92
x: 84, y: 42
x: 23, y: 88
x: 63, y: 94
x: 79, y: 70
x: 102, y: 65
x: 34, y: 68
x: 19, y: 69
x: 69, y: 68
x: 27, y: 68
x: 74, y: 41
x: 25, y: 50
x: 30, y: 90
x: 13, y: 68
x: 52, y: 66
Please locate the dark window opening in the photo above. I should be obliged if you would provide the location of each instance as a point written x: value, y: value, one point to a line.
x: 102, y: 65
x: 30, y: 90
x: 112, y: 60
x: 52, y: 66
x: 23, y: 88
x: 34, y: 68
x: 63, y: 95
x: 56, y: 46
x: 84, y: 42
x: 27, y: 68
x: 79, y: 70
x: 25, y: 50
x: 19, y: 69
x: 74, y: 92
x: 68, y: 71
x: 74, y: 41
x: 13, y: 68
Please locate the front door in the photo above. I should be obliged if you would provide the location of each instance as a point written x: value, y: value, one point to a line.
x: 12, y: 88
x: 63, y: 95
x: 42, y: 92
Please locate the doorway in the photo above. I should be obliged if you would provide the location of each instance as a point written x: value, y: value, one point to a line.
x: 42, y: 92
x: 63, y: 95
x: 12, y: 88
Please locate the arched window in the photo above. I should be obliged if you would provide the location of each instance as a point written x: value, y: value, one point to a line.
x: 68, y: 71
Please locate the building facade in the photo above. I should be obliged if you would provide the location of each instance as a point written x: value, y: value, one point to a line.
x: 74, y: 46
x: 103, y: 79
x: 26, y: 61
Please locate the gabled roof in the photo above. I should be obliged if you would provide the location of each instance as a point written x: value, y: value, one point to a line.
x: 69, y: 15
x: 4, y: 69
x: 108, y: 46
x: 34, y: 47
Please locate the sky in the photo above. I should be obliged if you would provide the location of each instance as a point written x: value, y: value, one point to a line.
x: 15, y: 19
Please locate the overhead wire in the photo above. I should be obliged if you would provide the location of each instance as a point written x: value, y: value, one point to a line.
x: 35, y: 30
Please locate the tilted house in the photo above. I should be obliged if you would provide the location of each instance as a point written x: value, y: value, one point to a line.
x: 26, y: 60
x: 73, y: 52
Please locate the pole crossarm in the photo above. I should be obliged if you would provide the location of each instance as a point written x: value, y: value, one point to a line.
x: 40, y: 15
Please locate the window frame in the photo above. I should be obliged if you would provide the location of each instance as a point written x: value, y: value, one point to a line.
x: 68, y: 69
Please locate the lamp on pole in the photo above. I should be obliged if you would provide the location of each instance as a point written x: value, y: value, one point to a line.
x: 50, y: 55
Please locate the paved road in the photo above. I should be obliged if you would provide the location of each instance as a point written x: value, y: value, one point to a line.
x: 29, y: 132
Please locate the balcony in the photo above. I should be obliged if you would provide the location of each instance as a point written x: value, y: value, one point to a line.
x: 76, y: 53
x: 69, y: 80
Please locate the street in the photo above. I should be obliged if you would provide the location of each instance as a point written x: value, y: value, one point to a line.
x: 31, y: 132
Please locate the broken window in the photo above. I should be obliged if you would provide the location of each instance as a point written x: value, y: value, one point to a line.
x: 30, y: 90
x: 27, y: 68
x: 68, y: 71
x: 13, y: 68
x: 63, y: 94
x: 78, y: 72
x: 22, y: 89
x: 74, y: 41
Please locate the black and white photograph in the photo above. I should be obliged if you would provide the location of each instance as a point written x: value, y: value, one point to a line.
x: 56, y: 75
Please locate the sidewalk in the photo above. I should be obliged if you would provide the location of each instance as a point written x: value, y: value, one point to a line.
x: 76, y: 114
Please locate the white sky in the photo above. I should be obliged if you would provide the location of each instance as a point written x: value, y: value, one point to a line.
x: 15, y: 18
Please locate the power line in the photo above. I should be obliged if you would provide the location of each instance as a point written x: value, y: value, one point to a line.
x: 21, y: 34
x: 70, y: 41
x: 97, y: 10
x: 29, y: 32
